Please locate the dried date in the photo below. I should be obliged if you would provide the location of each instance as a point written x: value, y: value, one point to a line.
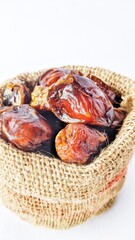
x: 49, y: 78
x: 78, y: 99
x: 52, y: 75
x: 110, y: 92
x: 16, y: 93
x: 25, y: 128
x: 77, y: 143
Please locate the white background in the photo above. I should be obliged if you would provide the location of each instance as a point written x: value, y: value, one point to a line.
x: 46, y: 33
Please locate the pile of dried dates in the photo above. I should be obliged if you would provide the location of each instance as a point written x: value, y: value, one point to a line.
x: 65, y: 114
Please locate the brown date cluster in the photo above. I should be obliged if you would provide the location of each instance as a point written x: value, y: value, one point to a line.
x: 66, y: 114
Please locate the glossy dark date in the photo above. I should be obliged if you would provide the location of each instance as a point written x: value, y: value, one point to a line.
x: 52, y: 75
x: 110, y: 92
x: 25, y: 128
x: 49, y: 78
x: 78, y: 99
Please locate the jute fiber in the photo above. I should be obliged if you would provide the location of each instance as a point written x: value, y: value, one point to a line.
x: 49, y: 192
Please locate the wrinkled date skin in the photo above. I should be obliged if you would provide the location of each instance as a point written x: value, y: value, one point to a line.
x: 110, y: 132
x: 118, y: 118
x: 16, y: 93
x: 77, y: 143
x: 25, y: 128
x: 110, y: 92
x: 78, y: 99
x: 49, y: 78
x: 52, y: 75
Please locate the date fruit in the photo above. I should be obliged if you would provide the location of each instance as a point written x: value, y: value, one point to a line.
x: 52, y: 75
x: 49, y: 78
x: 25, y: 128
x: 110, y: 92
x: 79, y: 99
x: 77, y: 143
x: 16, y: 93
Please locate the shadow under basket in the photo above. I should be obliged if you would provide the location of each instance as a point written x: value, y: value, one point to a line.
x: 49, y: 192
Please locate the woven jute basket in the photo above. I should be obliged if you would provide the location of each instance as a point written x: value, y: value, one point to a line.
x: 49, y: 192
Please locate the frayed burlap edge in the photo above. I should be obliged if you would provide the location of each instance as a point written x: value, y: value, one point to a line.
x: 47, y: 191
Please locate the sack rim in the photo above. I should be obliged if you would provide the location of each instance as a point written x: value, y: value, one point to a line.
x: 96, y: 164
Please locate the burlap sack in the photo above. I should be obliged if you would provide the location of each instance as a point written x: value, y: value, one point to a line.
x: 47, y: 191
